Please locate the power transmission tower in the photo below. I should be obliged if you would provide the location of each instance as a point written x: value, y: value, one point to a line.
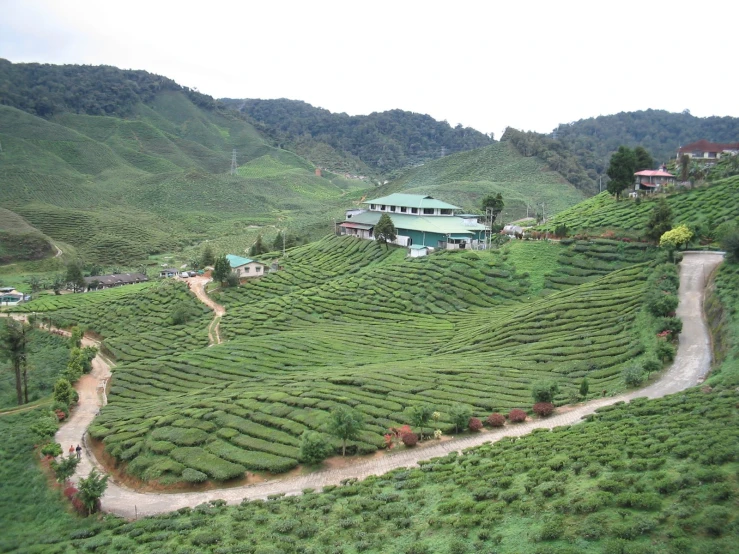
x: 233, y: 162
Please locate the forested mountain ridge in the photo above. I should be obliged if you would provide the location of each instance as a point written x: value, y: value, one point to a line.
x: 45, y: 89
x: 384, y: 141
x: 593, y: 140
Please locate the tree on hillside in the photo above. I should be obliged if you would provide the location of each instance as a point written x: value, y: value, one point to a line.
x: 621, y: 170
x: 495, y: 204
x: 385, y: 230
x: 221, y: 269
x: 207, y: 258
x: 729, y: 241
x: 258, y: 247
x: 460, y: 415
x: 13, y: 345
x: 420, y: 414
x: 345, y: 424
x: 684, y: 167
x: 91, y: 489
x: 660, y: 221
x: 675, y: 238
x: 643, y: 159
x: 74, y: 277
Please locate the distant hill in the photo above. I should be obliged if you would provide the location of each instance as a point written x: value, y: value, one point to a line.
x: 383, y: 142
x: 593, y: 140
x: 19, y: 240
x: 465, y: 178
x: 124, y: 164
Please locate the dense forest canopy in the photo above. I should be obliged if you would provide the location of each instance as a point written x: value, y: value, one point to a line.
x: 45, y: 89
x: 384, y: 141
x: 555, y: 154
x: 593, y: 140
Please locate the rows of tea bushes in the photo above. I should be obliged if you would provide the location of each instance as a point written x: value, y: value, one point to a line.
x: 652, y: 476
x: 310, y: 290
x: 688, y: 206
x: 136, y: 320
x: 246, y: 402
x: 581, y: 261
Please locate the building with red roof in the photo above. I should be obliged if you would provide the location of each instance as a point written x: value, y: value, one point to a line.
x: 704, y: 150
x: 653, y: 179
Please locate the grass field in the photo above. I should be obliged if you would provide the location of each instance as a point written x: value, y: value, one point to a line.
x: 709, y: 205
x: 348, y: 322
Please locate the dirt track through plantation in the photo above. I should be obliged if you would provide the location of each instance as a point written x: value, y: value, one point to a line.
x: 691, y: 365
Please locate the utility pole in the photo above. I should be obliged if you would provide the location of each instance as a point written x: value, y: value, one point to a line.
x: 233, y: 162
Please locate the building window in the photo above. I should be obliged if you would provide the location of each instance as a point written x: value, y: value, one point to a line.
x: 697, y: 154
x: 712, y: 154
x: 445, y: 212
x: 246, y: 270
x: 258, y: 269
x: 382, y: 208
x: 373, y: 206
x: 392, y: 208
x: 403, y: 210
x: 428, y: 211
x: 414, y: 210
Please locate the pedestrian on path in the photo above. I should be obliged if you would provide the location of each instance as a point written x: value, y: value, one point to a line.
x: 71, y: 450
x: 79, y: 451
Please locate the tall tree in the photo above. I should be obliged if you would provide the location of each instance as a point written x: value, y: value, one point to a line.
x: 460, y: 415
x: 660, y: 221
x: 74, y: 277
x: 207, y: 258
x: 385, y: 230
x: 13, y: 348
x: 495, y: 204
x: 221, y: 269
x: 345, y: 424
x: 91, y: 489
x: 684, y: 167
x: 621, y: 170
x: 420, y: 414
x: 258, y: 247
x: 643, y: 159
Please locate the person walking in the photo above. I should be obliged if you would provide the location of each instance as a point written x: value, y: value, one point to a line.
x: 71, y: 450
x: 79, y: 451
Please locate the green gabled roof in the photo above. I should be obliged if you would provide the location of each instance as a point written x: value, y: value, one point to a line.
x: 237, y: 261
x: 431, y: 224
x: 412, y: 201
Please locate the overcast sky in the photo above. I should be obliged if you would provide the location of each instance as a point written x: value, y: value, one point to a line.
x: 487, y: 64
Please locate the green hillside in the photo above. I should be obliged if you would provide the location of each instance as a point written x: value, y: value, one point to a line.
x: 348, y: 322
x: 706, y: 207
x: 19, y: 240
x: 465, y: 178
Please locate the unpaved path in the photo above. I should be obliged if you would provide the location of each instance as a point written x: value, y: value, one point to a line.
x: 197, y: 286
x: 692, y: 364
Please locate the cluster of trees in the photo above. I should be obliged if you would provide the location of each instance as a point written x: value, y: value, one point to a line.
x: 593, y: 140
x: 45, y: 90
x: 555, y: 154
x: 383, y: 141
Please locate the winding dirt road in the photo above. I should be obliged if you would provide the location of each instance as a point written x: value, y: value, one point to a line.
x: 692, y: 364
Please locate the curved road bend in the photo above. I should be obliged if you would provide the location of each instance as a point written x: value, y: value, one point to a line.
x: 692, y: 364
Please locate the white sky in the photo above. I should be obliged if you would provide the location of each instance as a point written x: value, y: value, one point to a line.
x: 487, y: 64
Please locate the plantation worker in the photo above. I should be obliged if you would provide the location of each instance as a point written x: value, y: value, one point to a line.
x: 79, y: 451
x: 71, y: 450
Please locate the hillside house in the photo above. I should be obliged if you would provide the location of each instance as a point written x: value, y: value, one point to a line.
x: 419, y: 220
x: 11, y: 297
x: 169, y: 272
x: 246, y: 267
x: 652, y: 179
x: 101, y: 282
x: 705, y: 151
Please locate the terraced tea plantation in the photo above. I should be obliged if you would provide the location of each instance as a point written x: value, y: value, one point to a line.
x: 348, y: 322
x: 689, y: 207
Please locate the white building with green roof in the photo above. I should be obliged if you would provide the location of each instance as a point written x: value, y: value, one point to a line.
x: 245, y: 267
x: 419, y: 220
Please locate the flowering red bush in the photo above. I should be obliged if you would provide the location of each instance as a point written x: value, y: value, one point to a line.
x: 60, y: 415
x: 496, y: 420
x: 70, y: 491
x: 543, y: 409
x: 389, y: 441
x: 409, y: 439
x: 516, y: 416
x: 474, y: 424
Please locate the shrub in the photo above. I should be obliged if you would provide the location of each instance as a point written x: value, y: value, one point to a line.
x: 409, y: 439
x: 650, y: 365
x: 496, y: 420
x: 544, y: 391
x: 661, y: 304
x: 543, y: 409
x: 52, y: 449
x: 63, y: 392
x: 516, y: 416
x: 665, y: 351
x: 584, y: 387
x: 474, y: 424
x: 194, y: 476
x: 633, y: 376
x: 672, y: 324
x: 313, y: 447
